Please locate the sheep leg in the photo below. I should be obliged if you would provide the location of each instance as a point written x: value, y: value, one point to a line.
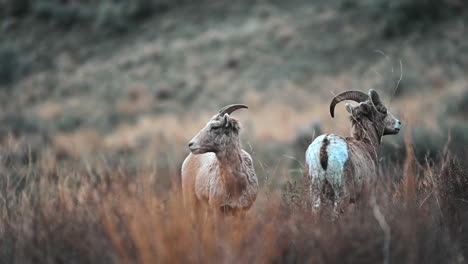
x: 316, y: 196
x: 338, y: 197
x: 344, y: 200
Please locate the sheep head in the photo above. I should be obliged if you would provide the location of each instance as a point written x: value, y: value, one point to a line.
x: 370, y: 108
x: 219, y: 133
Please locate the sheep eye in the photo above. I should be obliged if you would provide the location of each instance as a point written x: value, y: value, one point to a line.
x: 215, y: 127
x: 384, y: 111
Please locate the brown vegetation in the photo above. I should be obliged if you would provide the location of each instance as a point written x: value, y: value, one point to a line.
x: 104, y: 214
x: 98, y: 100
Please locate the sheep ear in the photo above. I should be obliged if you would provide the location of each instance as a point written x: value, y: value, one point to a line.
x: 366, y: 107
x: 226, y: 120
x: 349, y: 108
x: 374, y: 97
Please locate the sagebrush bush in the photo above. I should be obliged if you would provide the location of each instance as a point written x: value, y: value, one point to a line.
x: 15, y: 8
x: 458, y: 105
x: 119, y: 16
x: 400, y: 17
x: 11, y: 64
x: 61, y: 15
x: 427, y: 143
x: 19, y: 124
x: 105, y: 16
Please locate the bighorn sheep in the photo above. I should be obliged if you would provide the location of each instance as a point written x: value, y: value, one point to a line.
x: 339, y: 168
x: 218, y: 175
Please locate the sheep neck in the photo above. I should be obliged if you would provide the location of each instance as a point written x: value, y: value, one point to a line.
x: 232, y: 171
x: 367, y: 132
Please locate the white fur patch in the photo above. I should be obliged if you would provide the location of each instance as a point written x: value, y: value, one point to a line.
x: 337, y: 151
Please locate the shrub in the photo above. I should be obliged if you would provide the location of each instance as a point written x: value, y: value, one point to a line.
x: 15, y: 8
x: 411, y: 83
x: 11, y: 65
x: 453, y: 190
x: 96, y: 213
x: 403, y: 16
x: 19, y: 124
x: 427, y: 144
x: 458, y: 105
x: 459, y: 138
x: 62, y: 16
x: 69, y: 122
x: 118, y: 16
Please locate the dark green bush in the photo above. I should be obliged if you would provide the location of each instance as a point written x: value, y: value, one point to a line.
x: 116, y: 16
x: 107, y: 16
x: 11, y: 65
x: 403, y: 16
x: 109, y: 121
x: 19, y: 124
x: 68, y: 122
x: 410, y: 83
x: 62, y: 16
x: 459, y: 139
x: 427, y: 144
x: 8, y: 62
x: 15, y: 8
x: 458, y: 105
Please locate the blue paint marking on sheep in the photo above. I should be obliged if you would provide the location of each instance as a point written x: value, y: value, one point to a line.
x: 337, y: 151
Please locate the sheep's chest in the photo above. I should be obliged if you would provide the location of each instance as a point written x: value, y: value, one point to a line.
x: 206, y: 177
x: 214, y: 190
x: 208, y: 185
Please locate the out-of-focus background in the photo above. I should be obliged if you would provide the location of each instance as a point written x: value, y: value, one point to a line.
x: 135, y: 80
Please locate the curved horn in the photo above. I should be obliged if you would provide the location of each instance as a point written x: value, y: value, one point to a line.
x: 231, y: 108
x: 356, y: 96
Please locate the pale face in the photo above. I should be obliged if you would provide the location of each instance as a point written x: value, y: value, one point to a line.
x: 216, y: 134
x: 392, y: 125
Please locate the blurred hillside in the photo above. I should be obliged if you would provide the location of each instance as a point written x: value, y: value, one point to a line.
x: 135, y: 80
x: 98, y: 100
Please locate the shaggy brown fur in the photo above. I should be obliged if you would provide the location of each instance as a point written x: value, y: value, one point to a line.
x: 218, y: 174
x: 347, y: 178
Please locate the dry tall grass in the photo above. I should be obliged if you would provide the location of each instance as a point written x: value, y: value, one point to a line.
x: 57, y: 213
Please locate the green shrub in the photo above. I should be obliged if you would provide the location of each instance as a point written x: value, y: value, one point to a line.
x: 459, y: 139
x: 62, y: 16
x: 110, y: 19
x: 15, y: 8
x: 109, y: 121
x: 119, y: 15
x: 11, y: 65
x: 403, y: 16
x: 68, y: 122
x: 19, y: 124
x: 108, y: 16
x: 428, y: 144
x: 410, y: 83
x: 458, y: 105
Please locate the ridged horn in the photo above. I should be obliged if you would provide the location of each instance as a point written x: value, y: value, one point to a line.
x: 231, y: 108
x: 356, y: 96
